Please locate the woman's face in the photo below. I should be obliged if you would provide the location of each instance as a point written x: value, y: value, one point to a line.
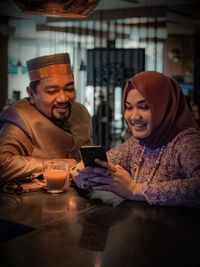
x: 138, y: 114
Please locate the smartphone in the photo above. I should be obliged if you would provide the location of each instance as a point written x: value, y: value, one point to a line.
x: 90, y: 153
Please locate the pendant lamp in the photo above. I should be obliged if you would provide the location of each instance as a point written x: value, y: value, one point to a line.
x: 59, y: 8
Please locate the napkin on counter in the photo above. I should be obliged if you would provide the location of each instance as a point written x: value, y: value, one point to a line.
x: 106, y: 197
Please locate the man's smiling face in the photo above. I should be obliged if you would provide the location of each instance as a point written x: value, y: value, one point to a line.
x: 53, y: 96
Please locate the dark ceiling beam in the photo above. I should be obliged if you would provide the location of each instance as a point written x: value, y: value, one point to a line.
x: 190, y: 12
x: 78, y: 30
x: 160, y: 24
x: 128, y: 13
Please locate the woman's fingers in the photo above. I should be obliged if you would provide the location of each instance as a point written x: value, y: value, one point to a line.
x: 102, y: 188
x: 111, y: 167
x: 94, y: 171
x: 99, y: 180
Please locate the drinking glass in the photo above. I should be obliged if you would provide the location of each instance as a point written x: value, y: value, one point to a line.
x: 55, y: 174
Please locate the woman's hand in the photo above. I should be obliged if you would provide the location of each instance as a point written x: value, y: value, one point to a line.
x: 112, y: 178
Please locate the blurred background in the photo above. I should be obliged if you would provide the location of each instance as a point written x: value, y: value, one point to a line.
x: 107, y: 45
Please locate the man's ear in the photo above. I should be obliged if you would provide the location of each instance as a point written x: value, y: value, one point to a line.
x: 30, y: 94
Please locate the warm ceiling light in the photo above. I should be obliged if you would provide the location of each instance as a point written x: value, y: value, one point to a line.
x: 62, y: 8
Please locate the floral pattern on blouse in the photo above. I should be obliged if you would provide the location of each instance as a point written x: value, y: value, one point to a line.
x: 177, y: 180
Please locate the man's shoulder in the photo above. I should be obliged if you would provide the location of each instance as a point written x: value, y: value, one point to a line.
x: 20, y: 106
x: 79, y: 106
x: 80, y: 109
x: 79, y: 114
x: 20, y: 114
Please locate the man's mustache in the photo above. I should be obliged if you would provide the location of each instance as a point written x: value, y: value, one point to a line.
x: 62, y: 105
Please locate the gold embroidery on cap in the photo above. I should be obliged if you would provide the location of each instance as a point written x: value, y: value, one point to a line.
x: 51, y: 70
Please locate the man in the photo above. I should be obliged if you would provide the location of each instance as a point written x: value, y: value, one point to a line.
x: 102, y: 123
x: 49, y: 124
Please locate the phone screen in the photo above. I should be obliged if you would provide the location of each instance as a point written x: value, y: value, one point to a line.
x: 90, y: 153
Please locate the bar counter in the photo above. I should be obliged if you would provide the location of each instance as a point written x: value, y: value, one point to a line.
x: 40, y: 229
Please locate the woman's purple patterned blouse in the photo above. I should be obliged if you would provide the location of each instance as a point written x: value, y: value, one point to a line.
x: 177, y: 180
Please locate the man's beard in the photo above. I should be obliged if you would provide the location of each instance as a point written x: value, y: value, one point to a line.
x: 61, y: 121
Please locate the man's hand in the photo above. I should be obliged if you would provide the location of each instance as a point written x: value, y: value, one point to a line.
x: 75, y: 169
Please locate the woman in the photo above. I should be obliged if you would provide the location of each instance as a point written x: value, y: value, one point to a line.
x: 160, y: 163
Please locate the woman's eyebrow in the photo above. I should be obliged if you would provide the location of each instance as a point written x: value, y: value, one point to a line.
x: 139, y: 102
x: 142, y: 101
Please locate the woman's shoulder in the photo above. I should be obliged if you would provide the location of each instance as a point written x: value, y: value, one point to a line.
x: 131, y: 144
x: 191, y: 134
x: 188, y: 139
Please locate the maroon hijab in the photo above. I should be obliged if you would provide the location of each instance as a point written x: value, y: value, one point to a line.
x: 170, y: 113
